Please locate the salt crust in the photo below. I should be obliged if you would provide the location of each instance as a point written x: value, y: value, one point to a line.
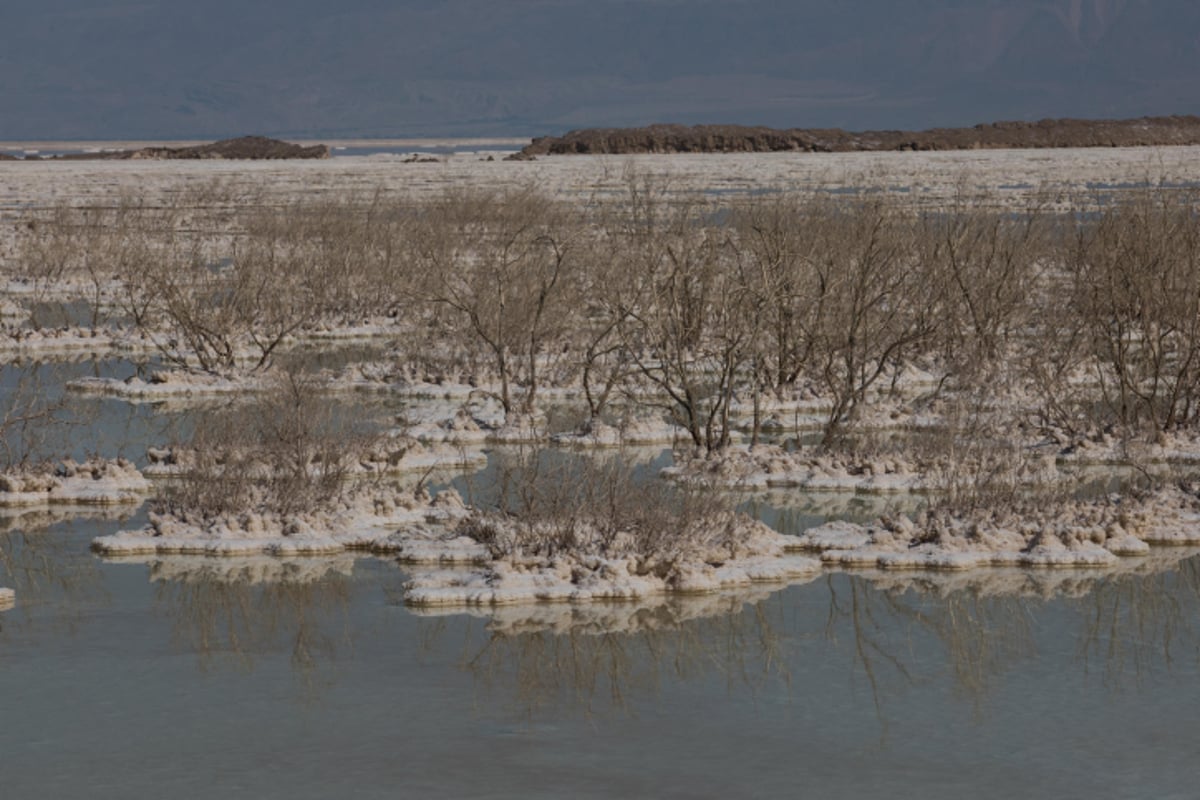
x: 169, y: 385
x: 1092, y: 534
x: 758, y: 555
x: 410, y: 526
x: 637, y: 430
x: 770, y: 466
x: 47, y: 342
x: 392, y: 454
x: 93, y: 482
x: 931, y: 177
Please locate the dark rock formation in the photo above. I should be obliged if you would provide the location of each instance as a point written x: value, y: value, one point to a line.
x: 1147, y: 131
x: 7, y: 157
x: 245, y: 147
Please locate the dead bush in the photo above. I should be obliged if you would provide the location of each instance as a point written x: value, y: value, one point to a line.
x: 550, y: 504
x: 287, y: 452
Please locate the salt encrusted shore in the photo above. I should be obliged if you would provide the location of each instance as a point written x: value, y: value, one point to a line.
x: 391, y: 454
x: 399, y: 523
x: 640, y: 430
x: 169, y: 385
x: 771, y: 466
x: 46, y: 343
x: 93, y: 482
x: 7, y: 598
x: 1081, y: 534
x: 756, y: 554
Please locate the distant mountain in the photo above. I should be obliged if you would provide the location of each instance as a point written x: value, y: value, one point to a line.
x: 164, y: 69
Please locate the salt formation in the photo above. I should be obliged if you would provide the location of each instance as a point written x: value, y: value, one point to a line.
x: 751, y: 553
x: 1080, y: 534
x: 93, y: 482
x: 769, y: 466
x: 370, y: 519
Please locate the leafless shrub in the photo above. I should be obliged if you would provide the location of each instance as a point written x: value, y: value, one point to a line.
x: 1133, y: 271
x: 680, y: 312
x: 987, y: 262
x: 500, y: 263
x: 551, y: 505
x: 874, y: 307
x: 286, y: 453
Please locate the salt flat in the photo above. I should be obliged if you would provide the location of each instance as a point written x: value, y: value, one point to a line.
x: 929, y: 176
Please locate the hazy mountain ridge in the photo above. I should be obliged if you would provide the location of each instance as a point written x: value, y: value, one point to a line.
x: 375, y: 68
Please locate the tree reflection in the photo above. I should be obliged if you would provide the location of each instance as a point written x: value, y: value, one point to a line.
x: 967, y: 631
x: 232, y: 611
x: 1144, y: 623
x: 42, y: 566
x: 601, y: 656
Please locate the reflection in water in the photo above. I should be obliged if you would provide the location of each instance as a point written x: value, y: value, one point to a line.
x: 230, y: 611
x: 543, y: 663
x: 893, y: 632
x: 1145, y: 623
x: 969, y: 632
x: 43, y: 566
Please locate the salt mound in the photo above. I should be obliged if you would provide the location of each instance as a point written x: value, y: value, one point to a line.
x: 96, y: 481
x: 1081, y: 534
x: 756, y: 554
x: 367, y: 518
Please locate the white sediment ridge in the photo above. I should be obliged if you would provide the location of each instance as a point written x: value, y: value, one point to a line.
x: 371, y: 520
x: 771, y: 466
x: 756, y: 554
x: 47, y: 342
x: 1079, y: 534
x: 169, y: 384
x: 391, y: 454
x: 93, y: 482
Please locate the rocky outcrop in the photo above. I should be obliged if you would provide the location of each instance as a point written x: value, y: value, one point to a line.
x: 245, y: 147
x: 1147, y: 131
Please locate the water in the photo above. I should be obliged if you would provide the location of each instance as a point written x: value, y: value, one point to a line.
x: 115, y: 684
x: 197, y: 679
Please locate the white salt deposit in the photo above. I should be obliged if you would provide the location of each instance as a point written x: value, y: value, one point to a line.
x: 1095, y: 534
x: 93, y: 482
x: 770, y: 466
x: 758, y: 555
x: 50, y: 342
x: 370, y: 518
x: 638, y: 430
x: 169, y: 385
x: 926, y: 176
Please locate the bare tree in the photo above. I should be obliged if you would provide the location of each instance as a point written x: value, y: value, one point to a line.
x: 501, y: 261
